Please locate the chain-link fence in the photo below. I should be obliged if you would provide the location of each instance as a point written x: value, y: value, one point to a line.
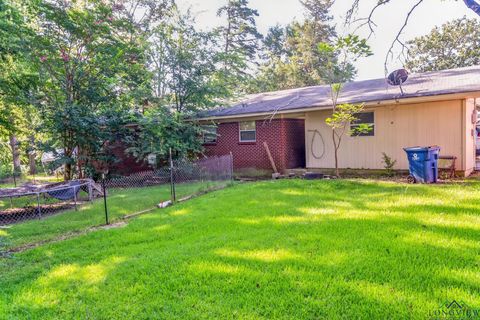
x: 32, y: 201
x: 85, y: 203
x: 182, y: 179
x: 193, y: 177
x: 11, y: 180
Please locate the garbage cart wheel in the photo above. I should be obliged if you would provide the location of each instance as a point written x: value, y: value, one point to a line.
x: 411, y: 179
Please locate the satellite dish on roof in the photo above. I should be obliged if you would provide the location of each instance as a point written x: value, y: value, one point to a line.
x: 397, y: 78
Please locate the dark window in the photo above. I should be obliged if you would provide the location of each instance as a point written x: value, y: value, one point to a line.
x: 364, y: 120
x: 248, y: 131
x: 209, y: 134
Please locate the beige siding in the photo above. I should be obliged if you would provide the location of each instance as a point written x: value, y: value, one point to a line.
x: 397, y: 126
x: 469, y: 132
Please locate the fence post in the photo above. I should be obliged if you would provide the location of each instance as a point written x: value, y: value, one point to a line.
x: 172, y: 180
x: 104, y: 190
x: 75, y: 198
x: 39, y: 210
x: 231, y: 166
x: 90, y: 191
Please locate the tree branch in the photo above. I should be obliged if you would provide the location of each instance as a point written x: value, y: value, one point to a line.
x: 368, y: 21
x: 399, y: 33
x: 352, y: 11
x: 473, y: 5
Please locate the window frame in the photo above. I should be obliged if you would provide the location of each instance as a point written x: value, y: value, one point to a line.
x: 205, y: 134
x: 371, y: 133
x: 240, y: 132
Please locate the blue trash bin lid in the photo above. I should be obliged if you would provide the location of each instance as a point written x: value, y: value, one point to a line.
x: 422, y: 148
x: 423, y: 153
x: 416, y: 149
x: 417, y: 153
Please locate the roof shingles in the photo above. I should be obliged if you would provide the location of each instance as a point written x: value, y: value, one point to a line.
x: 462, y: 80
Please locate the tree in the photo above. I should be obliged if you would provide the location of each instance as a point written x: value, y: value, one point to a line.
x: 184, y: 64
x: 139, y: 18
x: 453, y: 45
x: 240, y: 40
x: 161, y: 130
x: 368, y: 21
x: 17, y: 75
x: 342, y: 116
x: 88, y: 68
x: 240, y: 34
x: 349, y: 49
x: 291, y: 58
x: 274, y: 42
x: 318, y: 12
x: 187, y: 78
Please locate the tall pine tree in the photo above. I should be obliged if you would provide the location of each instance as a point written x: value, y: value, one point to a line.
x: 291, y: 56
x: 240, y: 39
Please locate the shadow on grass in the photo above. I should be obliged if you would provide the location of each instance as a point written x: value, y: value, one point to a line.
x: 289, y: 249
x: 121, y: 203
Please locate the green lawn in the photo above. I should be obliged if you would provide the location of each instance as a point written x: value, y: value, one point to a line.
x: 288, y: 250
x: 121, y: 202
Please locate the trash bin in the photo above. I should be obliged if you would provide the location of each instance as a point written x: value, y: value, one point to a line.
x: 423, y: 163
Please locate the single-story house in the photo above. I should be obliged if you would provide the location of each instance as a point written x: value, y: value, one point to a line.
x: 433, y: 108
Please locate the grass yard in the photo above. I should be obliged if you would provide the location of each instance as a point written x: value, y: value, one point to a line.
x: 121, y: 202
x: 288, y: 250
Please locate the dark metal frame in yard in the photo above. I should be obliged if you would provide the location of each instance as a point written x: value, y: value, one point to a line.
x: 64, y: 193
x: 180, y: 173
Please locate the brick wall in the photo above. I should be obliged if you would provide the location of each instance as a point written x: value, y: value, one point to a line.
x: 285, y: 138
x: 126, y: 164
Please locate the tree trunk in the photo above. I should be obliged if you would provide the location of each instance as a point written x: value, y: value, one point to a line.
x: 67, y: 174
x: 80, y: 172
x: 15, y: 154
x: 337, y: 171
x: 80, y: 166
x: 335, y: 151
x: 227, y: 40
x: 31, y: 163
x: 32, y: 156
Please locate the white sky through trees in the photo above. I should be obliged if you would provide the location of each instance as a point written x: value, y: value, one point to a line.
x: 389, y: 19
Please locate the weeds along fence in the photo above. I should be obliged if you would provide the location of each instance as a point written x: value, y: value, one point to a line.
x: 85, y: 203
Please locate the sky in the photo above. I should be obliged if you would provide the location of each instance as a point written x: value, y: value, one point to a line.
x: 389, y: 20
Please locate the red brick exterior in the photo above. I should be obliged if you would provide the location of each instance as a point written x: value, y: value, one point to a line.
x: 125, y: 163
x: 285, y: 138
x: 122, y: 163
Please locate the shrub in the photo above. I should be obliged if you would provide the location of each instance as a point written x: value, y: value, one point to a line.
x: 5, y: 171
x: 389, y: 163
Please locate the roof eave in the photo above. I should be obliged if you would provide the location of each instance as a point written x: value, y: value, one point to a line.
x: 411, y: 100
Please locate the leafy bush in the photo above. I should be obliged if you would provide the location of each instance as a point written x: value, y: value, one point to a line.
x: 389, y: 164
x: 5, y: 170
